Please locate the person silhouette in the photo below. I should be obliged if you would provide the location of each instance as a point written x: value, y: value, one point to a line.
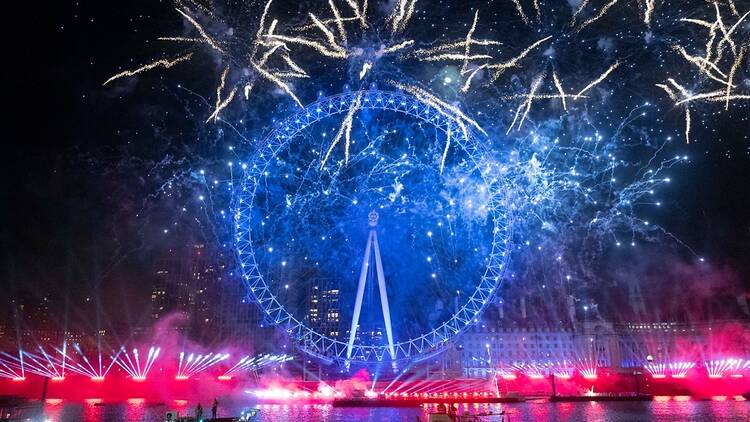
x: 214, y: 408
x: 199, y: 412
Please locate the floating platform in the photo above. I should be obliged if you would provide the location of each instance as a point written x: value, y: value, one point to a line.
x: 365, y: 402
x: 640, y: 397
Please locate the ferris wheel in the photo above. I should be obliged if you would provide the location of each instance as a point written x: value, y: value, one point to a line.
x: 408, y: 186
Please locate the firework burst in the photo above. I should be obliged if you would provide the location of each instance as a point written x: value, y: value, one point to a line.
x: 264, y: 57
x: 717, y: 67
x: 565, y: 181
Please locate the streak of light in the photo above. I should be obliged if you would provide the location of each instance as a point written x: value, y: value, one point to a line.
x: 159, y: 63
x: 345, y: 131
x: 397, y: 47
x: 401, y: 15
x: 526, y: 104
x: 439, y: 104
x: 521, y: 13
x: 360, y: 14
x: 281, y: 84
x: 320, y: 48
x: 210, y: 41
x: 598, y: 80
x: 705, y: 66
x: 501, y: 67
x: 537, y: 9
x: 472, y: 73
x: 534, y: 87
x: 649, y: 12
x: 182, y: 39
x: 223, y: 104
x: 445, y: 149
x: 578, y: 11
x: 337, y: 20
x: 262, y: 22
x: 732, y: 72
x: 330, y: 37
x: 598, y: 16
x: 456, y: 56
x: 559, y: 87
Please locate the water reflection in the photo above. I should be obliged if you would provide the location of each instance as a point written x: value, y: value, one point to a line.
x: 662, y: 409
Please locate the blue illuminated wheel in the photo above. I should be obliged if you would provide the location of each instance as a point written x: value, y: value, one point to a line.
x: 422, y: 181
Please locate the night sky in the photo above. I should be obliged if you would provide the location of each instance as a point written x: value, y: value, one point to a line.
x: 81, y: 218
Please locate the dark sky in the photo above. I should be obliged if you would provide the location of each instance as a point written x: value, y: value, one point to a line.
x: 77, y: 157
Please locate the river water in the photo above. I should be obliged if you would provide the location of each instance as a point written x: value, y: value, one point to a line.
x: 661, y: 409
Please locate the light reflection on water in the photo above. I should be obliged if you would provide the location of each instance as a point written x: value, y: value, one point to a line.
x: 658, y: 410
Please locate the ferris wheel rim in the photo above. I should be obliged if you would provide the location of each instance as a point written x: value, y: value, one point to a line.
x: 308, y: 339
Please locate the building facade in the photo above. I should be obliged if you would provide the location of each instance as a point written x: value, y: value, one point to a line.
x: 195, y: 285
x: 487, y: 348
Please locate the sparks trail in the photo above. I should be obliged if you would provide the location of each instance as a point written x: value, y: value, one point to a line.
x: 145, y: 68
x: 521, y: 13
x: 537, y: 83
x: 345, y: 130
x: 450, y: 111
x: 572, y: 194
x: 598, y: 14
x: 267, y: 59
x: 334, y: 37
x: 463, y: 51
x: 460, y: 50
x: 447, y: 110
x: 597, y: 80
x: 526, y: 105
x: 647, y: 8
x: 401, y: 15
x: 717, y: 71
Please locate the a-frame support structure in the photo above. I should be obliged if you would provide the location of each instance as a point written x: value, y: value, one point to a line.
x: 371, y: 249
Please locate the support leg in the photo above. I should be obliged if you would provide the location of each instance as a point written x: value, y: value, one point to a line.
x: 360, y: 294
x: 384, y: 297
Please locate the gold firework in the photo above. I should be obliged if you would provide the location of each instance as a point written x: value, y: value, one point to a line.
x: 264, y: 49
x: 717, y: 69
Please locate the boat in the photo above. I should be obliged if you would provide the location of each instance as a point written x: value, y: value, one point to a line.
x: 444, y: 414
